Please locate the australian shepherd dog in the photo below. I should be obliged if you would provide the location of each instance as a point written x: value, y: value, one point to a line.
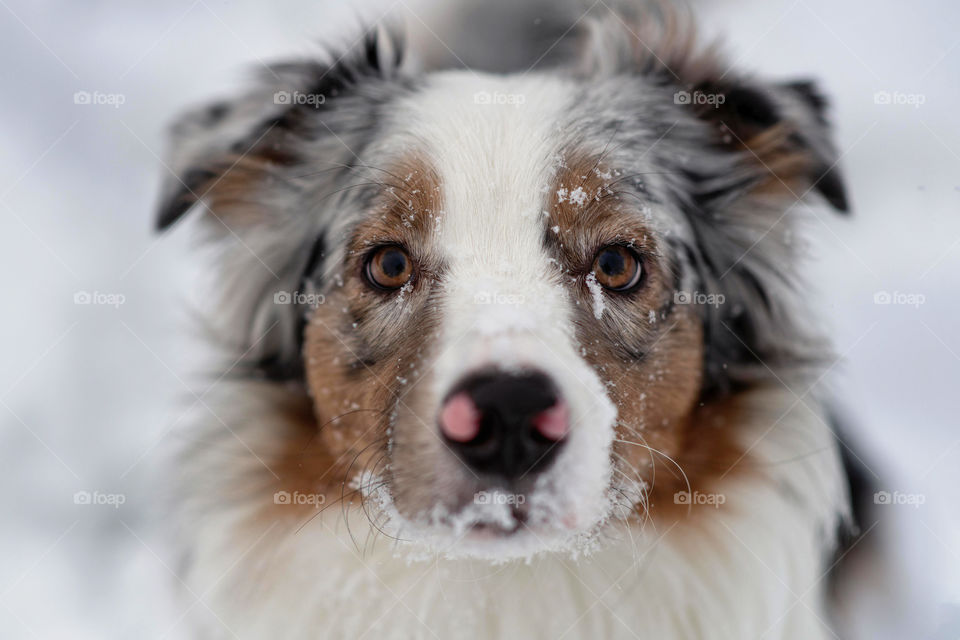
x: 513, y: 346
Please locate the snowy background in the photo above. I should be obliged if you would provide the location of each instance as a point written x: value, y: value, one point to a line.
x: 91, y: 394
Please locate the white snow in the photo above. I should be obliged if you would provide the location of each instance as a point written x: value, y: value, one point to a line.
x: 603, y: 175
x: 596, y: 290
x: 578, y: 196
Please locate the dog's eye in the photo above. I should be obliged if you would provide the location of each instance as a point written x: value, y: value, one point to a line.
x: 617, y: 268
x: 388, y: 268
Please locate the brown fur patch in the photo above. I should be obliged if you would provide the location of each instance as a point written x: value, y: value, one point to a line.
x: 652, y: 364
x: 364, y: 350
x: 229, y: 190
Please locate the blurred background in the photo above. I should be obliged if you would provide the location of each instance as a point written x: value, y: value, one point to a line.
x: 96, y: 375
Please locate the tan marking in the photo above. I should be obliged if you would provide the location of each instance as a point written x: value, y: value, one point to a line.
x: 352, y: 401
x: 660, y: 426
x: 395, y: 331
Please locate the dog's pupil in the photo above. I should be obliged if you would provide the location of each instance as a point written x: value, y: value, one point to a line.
x: 394, y: 263
x: 612, y: 263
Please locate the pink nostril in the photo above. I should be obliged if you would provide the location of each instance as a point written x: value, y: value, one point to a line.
x: 554, y: 422
x: 459, y: 418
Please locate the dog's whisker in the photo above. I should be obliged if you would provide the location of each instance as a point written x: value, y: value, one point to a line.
x: 662, y: 454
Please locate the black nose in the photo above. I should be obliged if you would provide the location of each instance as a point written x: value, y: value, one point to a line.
x: 521, y: 422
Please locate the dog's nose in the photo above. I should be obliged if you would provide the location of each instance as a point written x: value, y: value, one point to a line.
x: 508, y: 424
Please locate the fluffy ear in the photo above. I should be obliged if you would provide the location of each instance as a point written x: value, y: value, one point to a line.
x: 783, y: 128
x: 218, y: 149
x: 266, y: 170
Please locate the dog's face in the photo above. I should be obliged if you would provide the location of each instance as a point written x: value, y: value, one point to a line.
x: 500, y: 348
x: 505, y: 302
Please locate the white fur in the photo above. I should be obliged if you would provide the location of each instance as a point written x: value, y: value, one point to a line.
x: 505, y: 303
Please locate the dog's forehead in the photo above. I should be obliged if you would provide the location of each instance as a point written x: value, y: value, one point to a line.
x: 495, y: 144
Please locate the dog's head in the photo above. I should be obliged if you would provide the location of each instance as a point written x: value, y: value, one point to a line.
x: 510, y: 298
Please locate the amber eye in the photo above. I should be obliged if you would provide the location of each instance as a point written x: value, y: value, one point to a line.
x: 617, y: 268
x: 389, y: 267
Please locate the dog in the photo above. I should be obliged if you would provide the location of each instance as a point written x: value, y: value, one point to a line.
x: 513, y: 350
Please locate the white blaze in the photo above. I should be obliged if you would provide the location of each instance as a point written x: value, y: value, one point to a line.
x: 505, y: 302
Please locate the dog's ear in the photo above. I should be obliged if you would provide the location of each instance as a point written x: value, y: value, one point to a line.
x: 780, y: 127
x: 783, y: 126
x: 219, y: 151
x: 830, y: 182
